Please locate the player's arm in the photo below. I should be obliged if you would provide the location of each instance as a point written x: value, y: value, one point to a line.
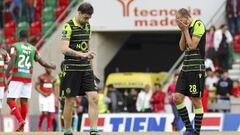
x: 12, y: 61
x: 198, y: 31
x: 182, y: 42
x: 37, y: 87
x: 45, y: 64
x: 56, y: 89
x: 38, y: 59
x: 70, y: 52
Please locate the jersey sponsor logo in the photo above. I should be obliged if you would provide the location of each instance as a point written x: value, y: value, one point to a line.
x: 1, y: 63
x: 83, y: 46
x: 48, y: 85
x: 23, y: 70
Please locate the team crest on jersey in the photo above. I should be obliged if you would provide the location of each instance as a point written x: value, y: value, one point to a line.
x: 68, y: 90
x: 64, y: 33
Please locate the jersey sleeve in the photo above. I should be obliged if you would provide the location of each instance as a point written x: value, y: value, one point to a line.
x: 66, y: 32
x: 37, y: 55
x: 199, y: 29
x: 13, y: 51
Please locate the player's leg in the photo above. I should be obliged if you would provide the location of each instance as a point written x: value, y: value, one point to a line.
x: 14, y: 91
x: 197, y: 91
x: 1, y: 98
x: 50, y: 109
x: 88, y: 85
x: 42, y: 109
x: 24, y: 107
x: 93, y: 111
x: 197, y: 102
x: 181, y: 91
x: 49, y: 121
x: 25, y: 94
x: 41, y: 119
x: 69, y: 90
x: 182, y: 110
x: 67, y: 114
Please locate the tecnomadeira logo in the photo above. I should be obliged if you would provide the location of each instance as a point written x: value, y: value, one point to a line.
x: 125, y: 6
x: 143, y: 16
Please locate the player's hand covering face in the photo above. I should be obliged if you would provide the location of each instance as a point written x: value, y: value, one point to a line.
x: 182, y: 22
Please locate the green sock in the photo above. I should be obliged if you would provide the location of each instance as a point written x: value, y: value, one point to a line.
x: 94, y: 131
x: 198, y: 120
x: 67, y: 131
x: 183, y: 113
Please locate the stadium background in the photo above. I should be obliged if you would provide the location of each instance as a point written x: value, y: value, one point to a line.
x: 133, y: 36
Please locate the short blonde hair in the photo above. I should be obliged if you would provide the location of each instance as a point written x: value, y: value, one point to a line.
x: 184, y: 12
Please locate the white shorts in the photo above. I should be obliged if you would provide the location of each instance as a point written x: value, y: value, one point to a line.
x: 46, y: 104
x: 1, y: 92
x: 1, y: 96
x: 19, y: 90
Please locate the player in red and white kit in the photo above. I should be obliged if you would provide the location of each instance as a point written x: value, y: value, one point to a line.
x: 45, y: 87
x: 23, y: 55
x: 4, y: 58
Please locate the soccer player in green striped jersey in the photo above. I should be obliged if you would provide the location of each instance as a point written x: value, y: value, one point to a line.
x: 23, y: 55
x: 192, y: 76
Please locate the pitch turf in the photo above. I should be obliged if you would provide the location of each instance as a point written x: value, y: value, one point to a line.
x: 123, y: 133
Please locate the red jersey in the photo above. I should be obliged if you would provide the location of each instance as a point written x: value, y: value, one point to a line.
x: 46, y: 83
x: 235, y: 91
x: 158, y: 104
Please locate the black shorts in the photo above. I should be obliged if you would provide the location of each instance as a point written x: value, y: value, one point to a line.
x: 191, y: 83
x: 77, y: 83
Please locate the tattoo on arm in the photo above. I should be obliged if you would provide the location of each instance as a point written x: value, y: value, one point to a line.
x: 70, y: 53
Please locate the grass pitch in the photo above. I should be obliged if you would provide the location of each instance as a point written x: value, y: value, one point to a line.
x: 123, y: 133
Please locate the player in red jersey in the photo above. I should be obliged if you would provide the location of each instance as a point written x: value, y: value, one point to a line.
x: 45, y: 87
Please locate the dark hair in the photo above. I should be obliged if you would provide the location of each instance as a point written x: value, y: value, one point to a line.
x: 110, y: 86
x: 184, y: 12
x: 222, y: 26
x: 157, y: 84
x: 86, y: 8
x: 225, y: 71
x: 208, y: 69
x: 23, y: 34
x: 212, y: 27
